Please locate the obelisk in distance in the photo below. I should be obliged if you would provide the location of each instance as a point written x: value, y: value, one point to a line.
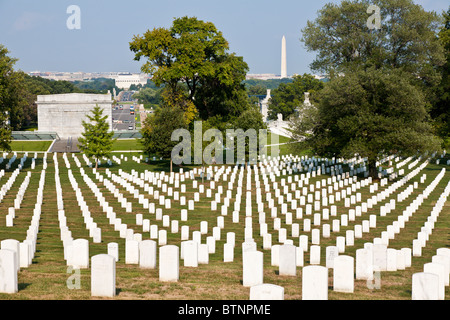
x: 283, y: 58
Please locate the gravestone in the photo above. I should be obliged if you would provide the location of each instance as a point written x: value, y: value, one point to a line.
x: 103, y: 276
x: 203, y: 254
x: 314, y: 257
x: 190, y: 253
x: 340, y: 244
x: 113, y: 250
x: 275, y: 255
x: 184, y: 233
x: 444, y: 260
x: 80, y: 254
x: 162, y: 237
x: 439, y: 270
x: 364, y: 264
x: 425, y: 286
x: 343, y: 274
x: 299, y: 256
x: 131, y: 252
x: 228, y: 252
x: 169, y: 262
x: 331, y: 252
x: 8, y: 271
x: 315, y: 236
x: 252, y: 268
x: 147, y: 254
x: 287, y: 260
x: 407, y: 254
x: 13, y: 245
x: 391, y: 259
x: 266, y: 291
x: 211, y: 242
x: 25, y: 254
x: 315, y: 283
x: 380, y: 256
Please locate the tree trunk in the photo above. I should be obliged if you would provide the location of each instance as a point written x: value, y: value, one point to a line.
x: 373, y: 172
x: 170, y: 165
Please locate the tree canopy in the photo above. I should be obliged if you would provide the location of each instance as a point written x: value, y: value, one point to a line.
x: 12, y: 98
x: 192, y: 55
x: 440, y: 110
x: 378, y: 97
x: 157, y: 131
x: 289, y: 97
x: 370, y: 113
x: 407, y: 39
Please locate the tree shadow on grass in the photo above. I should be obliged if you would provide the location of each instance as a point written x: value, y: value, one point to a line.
x: 22, y: 286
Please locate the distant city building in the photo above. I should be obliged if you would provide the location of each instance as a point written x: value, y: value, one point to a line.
x: 262, y: 76
x: 124, y: 81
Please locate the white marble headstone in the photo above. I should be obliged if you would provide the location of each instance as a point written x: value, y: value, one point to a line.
x: 103, y: 275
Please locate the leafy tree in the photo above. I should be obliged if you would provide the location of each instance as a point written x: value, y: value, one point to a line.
x: 269, y: 83
x: 179, y: 100
x: 288, y: 97
x: 407, y: 39
x: 223, y: 92
x: 12, y: 98
x: 378, y: 98
x: 258, y: 89
x: 193, y: 54
x: 251, y: 119
x: 97, y: 139
x: 149, y: 97
x: 98, y: 85
x: 440, y: 110
x: 369, y: 113
x: 157, y: 131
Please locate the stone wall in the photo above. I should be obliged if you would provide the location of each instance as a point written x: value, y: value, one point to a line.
x: 64, y: 113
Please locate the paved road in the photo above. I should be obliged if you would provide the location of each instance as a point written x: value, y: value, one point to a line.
x: 125, y: 119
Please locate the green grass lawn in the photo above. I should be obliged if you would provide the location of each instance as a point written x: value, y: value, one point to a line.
x: 30, y: 145
x: 47, y: 277
x: 126, y: 145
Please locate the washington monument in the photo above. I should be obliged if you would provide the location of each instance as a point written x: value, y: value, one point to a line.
x: 283, y: 58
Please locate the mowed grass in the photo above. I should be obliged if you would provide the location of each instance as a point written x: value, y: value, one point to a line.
x: 48, y: 276
x: 36, y: 146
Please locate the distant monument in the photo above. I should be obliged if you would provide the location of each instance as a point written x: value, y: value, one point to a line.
x: 283, y: 58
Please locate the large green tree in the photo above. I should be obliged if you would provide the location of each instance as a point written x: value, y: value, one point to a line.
x: 193, y: 55
x: 249, y: 121
x: 407, y: 38
x: 12, y: 98
x: 440, y: 110
x: 97, y: 138
x: 379, y: 95
x: 369, y: 113
x: 289, y: 97
x: 158, y: 128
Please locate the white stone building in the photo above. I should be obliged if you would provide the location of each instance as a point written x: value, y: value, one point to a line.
x: 124, y: 81
x: 64, y: 113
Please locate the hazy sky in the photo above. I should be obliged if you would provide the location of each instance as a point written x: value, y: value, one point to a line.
x: 35, y: 31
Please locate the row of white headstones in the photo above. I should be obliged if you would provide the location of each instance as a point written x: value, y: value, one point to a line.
x: 192, y: 246
x: 196, y: 251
